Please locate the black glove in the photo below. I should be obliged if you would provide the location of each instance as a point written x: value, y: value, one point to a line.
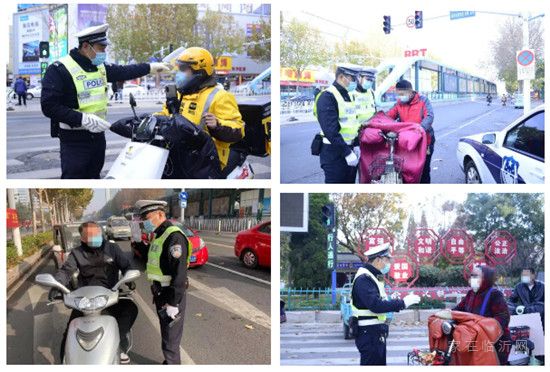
x: 178, y: 128
x: 131, y: 286
x: 54, y: 294
x: 124, y: 126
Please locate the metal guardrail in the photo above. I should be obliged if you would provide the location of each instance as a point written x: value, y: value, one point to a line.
x: 222, y: 224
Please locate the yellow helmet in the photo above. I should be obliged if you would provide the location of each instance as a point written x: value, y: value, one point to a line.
x: 198, y: 59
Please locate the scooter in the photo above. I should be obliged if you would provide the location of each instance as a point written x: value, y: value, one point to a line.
x: 93, y: 338
x: 387, y: 170
x: 146, y: 155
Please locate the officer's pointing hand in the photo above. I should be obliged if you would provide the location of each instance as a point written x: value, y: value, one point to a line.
x: 411, y: 299
x: 94, y: 123
x: 158, y: 67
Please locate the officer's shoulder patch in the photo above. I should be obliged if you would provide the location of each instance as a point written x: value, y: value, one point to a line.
x: 176, y: 250
x: 81, y: 77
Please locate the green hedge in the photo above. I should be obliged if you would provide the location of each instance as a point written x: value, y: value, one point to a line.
x: 31, y: 244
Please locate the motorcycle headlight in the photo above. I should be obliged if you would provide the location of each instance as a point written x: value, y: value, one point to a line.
x: 91, y: 304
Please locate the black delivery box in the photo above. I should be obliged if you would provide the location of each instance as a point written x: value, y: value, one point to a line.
x: 256, y: 113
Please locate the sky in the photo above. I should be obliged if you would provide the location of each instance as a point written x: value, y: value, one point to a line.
x: 98, y: 200
x: 464, y: 43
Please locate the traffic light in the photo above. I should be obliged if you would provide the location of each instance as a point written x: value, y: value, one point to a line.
x: 44, y: 48
x: 328, y: 216
x: 418, y: 21
x: 387, y: 24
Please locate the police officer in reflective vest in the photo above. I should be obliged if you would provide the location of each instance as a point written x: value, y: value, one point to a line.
x: 167, y: 263
x: 74, y: 97
x: 364, y: 95
x: 337, y: 115
x: 369, y: 305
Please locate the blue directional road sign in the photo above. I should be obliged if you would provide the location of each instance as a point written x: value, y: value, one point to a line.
x: 461, y: 14
x: 183, y: 196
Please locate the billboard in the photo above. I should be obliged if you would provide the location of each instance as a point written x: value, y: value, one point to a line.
x: 58, y: 29
x: 91, y: 15
x: 29, y: 34
x: 294, y: 212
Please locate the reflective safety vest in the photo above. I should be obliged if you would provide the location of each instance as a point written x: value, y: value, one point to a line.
x: 347, y: 115
x: 91, y: 89
x: 365, y: 104
x: 360, y: 313
x: 154, y: 272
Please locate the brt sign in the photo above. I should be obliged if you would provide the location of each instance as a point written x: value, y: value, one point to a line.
x: 461, y: 14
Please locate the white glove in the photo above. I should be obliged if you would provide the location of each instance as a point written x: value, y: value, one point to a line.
x: 520, y: 309
x: 352, y: 159
x: 172, y: 311
x: 158, y: 67
x: 94, y: 123
x: 357, y: 151
x: 411, y: 299
x: 444, y: 314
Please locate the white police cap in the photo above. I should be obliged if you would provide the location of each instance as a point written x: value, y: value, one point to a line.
x: 94, y: 34
x: 382, y: 250
x: 146, y: 206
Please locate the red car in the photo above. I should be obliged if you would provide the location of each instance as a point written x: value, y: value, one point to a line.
x: 200, y: 250
x: 253, y: 246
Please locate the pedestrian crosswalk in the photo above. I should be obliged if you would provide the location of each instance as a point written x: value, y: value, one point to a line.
x: 324, y: 344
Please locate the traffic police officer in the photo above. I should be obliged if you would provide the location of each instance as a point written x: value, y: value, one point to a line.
x: 204, y: 103
x: 369, y: 305
x: 364, y: 95
x: 167, y: 262
x: 74, y: 97
x: 337, y: 116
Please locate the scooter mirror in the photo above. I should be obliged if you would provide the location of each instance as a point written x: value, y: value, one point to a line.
x: 130, y: 276
x: 49, y: 281
x: 132, y: 100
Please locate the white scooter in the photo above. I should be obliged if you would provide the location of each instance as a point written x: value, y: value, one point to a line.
x: 145, y: 156
x: 93, y: 338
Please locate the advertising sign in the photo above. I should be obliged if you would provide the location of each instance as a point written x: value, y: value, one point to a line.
x: 30, y: 34
x: 58, y: 28
x: 91, y: 15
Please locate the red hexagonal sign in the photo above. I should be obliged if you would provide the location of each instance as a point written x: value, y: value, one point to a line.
x: 470, y: 263
x: 456, y: 245
x: 376, y: 236
x: 425, y: 245
x: 403, y: 271
x: 500, y: 247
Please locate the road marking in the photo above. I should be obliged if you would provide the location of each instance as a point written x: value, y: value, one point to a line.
x: 51, y: 148
x: 239, y: 273
x: 343, y: 341
x: 219, y: 244
x: 229, y: 301
x: 153, y: 318
x: 466, y: 124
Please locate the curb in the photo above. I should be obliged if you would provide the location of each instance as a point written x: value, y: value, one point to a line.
x: 404, y: 317
x: 18, y: 274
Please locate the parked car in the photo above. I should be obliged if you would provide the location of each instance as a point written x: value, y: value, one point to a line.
x: 253, y: 246
x: 128, y: 88
x: 199, y: 255
x: 118, y: 228
x: 35, y: 91
x: 513, y: 155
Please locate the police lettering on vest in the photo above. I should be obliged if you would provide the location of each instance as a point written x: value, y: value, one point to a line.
x: 91, y: 89
x: 154, y: 272
x: 347, y: 115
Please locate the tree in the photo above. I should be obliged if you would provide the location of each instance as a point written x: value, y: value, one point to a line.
x: 259, y: 43
x: 357, y: 212
x: 509, y: 41
x: 220, y: 33
x: 138, y: 31
x: 308, y: 251
x: 301, y: 47
x: 520, y: 214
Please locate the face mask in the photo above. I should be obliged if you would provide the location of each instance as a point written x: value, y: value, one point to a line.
x: 526, y: 279
x: 181, y: 79
x: 99, y: 58
x: 148, y: 226
x: 94, y: 241
x: 367, y: 84
x: 386, y: 268
x: 475, y: 283
x: 352, y: 86
x: 403, y: 98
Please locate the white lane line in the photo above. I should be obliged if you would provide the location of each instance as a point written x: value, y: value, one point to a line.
x: 219, y: 244
x: 229, y: 301
x: 466, y: 124
x: 240, y: 274
x: 153, y: 318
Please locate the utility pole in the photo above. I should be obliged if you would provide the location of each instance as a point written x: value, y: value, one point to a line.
x: 15, y: 230
x: 526, y: 82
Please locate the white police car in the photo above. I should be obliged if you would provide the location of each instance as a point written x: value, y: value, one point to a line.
x: 513, y: 155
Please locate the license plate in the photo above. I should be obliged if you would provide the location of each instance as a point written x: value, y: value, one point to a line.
x: 193, y: 259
